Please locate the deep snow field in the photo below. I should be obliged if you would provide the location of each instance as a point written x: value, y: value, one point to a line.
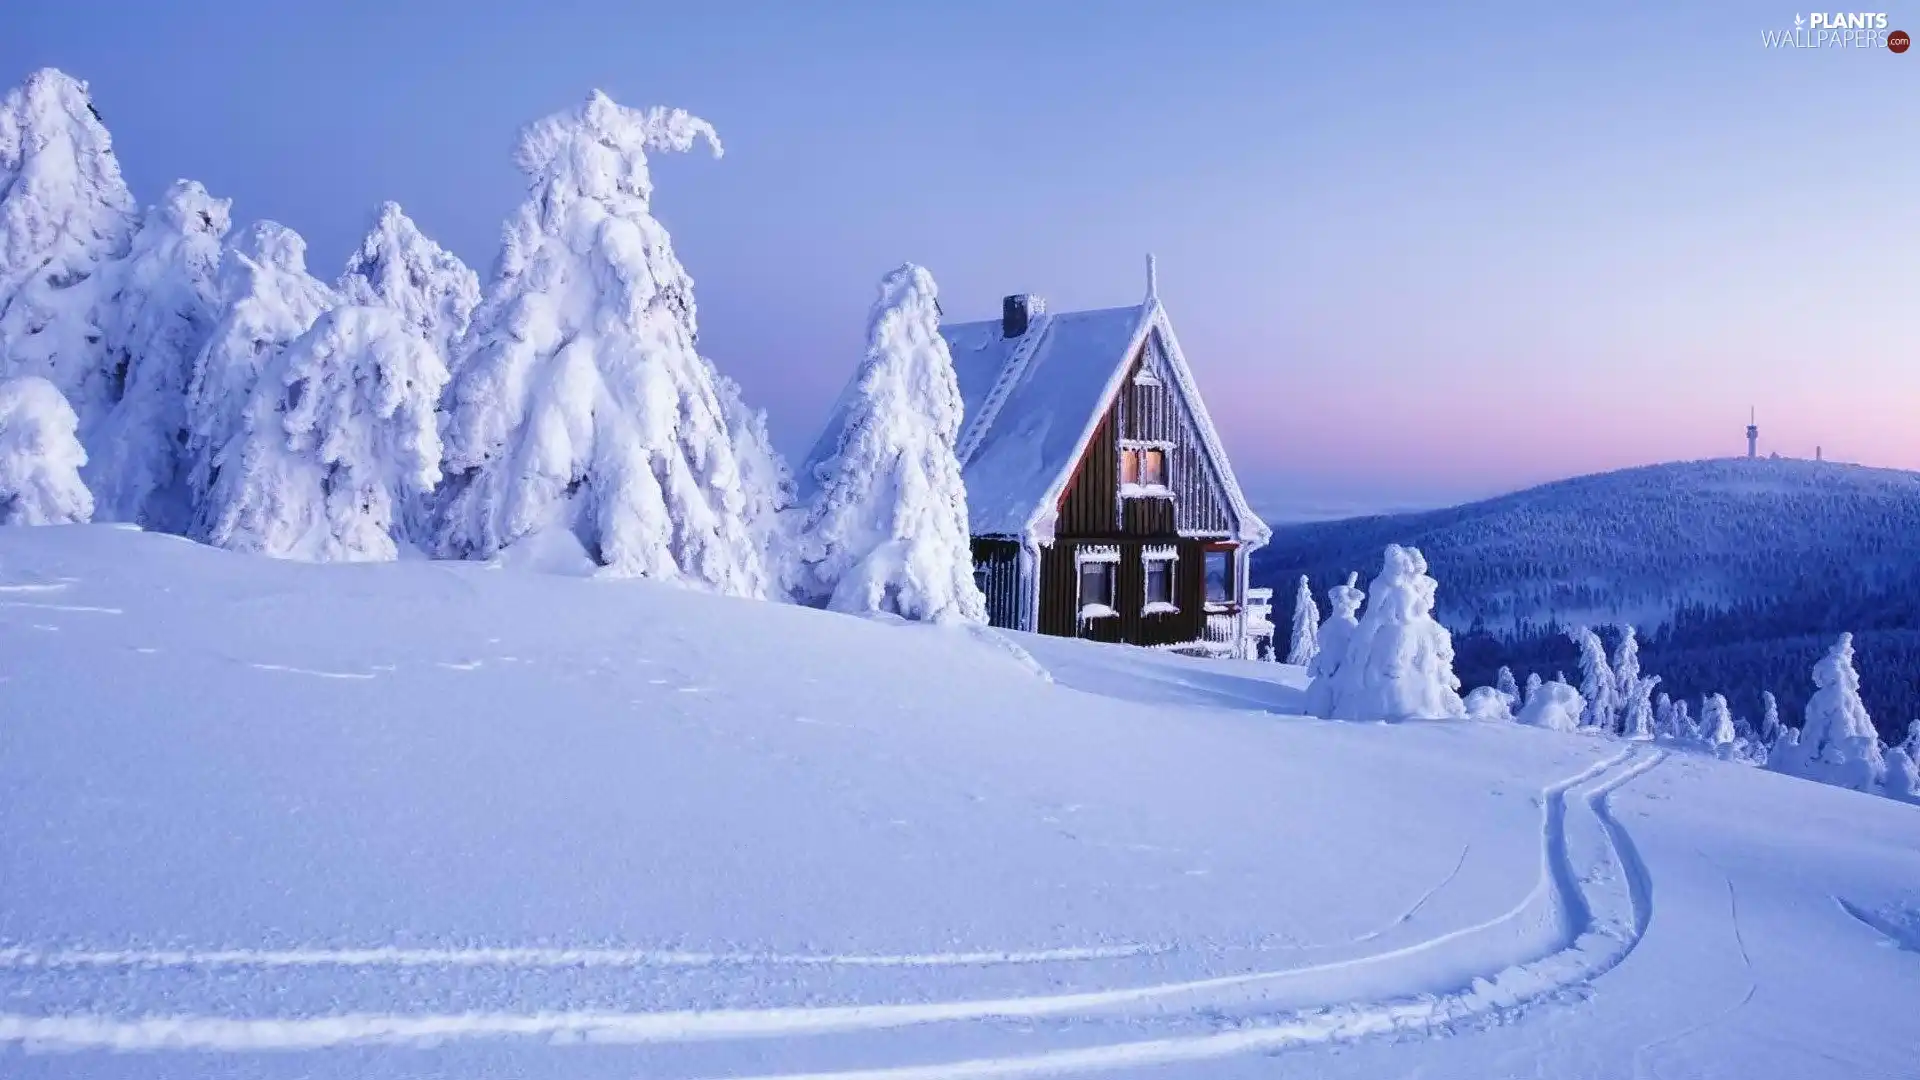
x: 444, y: 819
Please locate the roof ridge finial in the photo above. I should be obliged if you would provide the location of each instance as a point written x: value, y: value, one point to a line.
x: 1153, y: 279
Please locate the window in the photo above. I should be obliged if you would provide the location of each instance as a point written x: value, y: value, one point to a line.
x: 1219, y: 575
x: 1157, y: 566
x: 1153, y: 467
x: 1096, y: 585
x: 1129, y: 466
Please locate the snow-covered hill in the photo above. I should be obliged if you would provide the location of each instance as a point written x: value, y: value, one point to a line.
x: 268, y: 819
x: 1635, y: 545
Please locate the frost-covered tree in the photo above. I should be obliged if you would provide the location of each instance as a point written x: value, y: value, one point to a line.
x: 1626, y: 669
x: 162, y: 305
x: 1716, y: 721
x: 1556, y: 707
x: 580, y: 403
x: 1784, y: 755
x: 1637, y: 714
x: 1598, y: 687
x: 887, y: 531
x: 1487, y: 703
x: 40, y: 456
x: 1306, y: 626
x: 1769, y: 719
x: 398, y: 267
x: 1399, y: 665
x: 1838, y: 743
x: 1684, y: 729
x: 1532, y: 690
x: 339, y: 439
x: 267, y: 299
x: 1902, y: 778
x: 766, y: 483
x: 1663, y: 716
x: 1509, y: 689
x: 64, y: 212
x: 1334, y: 636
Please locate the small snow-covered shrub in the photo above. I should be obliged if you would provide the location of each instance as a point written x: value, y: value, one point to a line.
x: 1489, y: 704
x: 1556, y: 707
x: 40, y: 456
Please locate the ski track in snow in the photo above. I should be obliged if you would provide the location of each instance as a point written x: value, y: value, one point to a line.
x: 60, y: 607
x: 388, y: 957
x: 58, y: 586
x: 309, y: 671
x: 1578, y: 922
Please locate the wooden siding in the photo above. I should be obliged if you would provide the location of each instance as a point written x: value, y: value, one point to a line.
x: 1088, y: 507
x: 1154, y: 412
x: 1000, y: 561
x: 1060, y: 601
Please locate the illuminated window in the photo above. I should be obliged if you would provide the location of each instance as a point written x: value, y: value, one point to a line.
x: 1153, y: 467
x: 1129, y: 466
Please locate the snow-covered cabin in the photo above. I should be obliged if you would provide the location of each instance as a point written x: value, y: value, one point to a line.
x: 1100, y: 499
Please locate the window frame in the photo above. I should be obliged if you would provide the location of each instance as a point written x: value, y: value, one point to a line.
x: 1106, y: 558
x: 1132, y: 473
x: 1164, y: 560
x: 1226, y: 553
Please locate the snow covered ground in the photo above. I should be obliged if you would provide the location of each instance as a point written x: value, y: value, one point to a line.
x: 433, y: 819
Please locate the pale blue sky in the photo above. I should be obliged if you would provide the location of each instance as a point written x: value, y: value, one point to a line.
x: 1413, y: 254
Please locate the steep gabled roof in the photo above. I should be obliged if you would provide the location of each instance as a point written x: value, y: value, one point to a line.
x: 1033, y: 404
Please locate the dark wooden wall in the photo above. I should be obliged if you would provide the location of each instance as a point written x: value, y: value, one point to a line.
x: 1156, y: 413
x: 1060, y: 587
x: 1001, y: 560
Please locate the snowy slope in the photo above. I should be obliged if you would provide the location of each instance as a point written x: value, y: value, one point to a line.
x: 431, y: 819
x: 1633, y: 545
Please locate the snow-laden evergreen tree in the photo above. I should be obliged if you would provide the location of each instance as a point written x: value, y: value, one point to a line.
x: 1838, y: 743
x: 1334, y: 636
x: 64, y: 212
x: 1399, y: 665
x: 887, y: 531
x: 1716, y: 721
x: 1306, y: 626
x: 1598, y: 687
x: 1637, y: 712
x: 40, y: 456
x: 1509, y: 689
x: 1902, y: 777
x: 1487, y: 703
x: 162, y: 304
x: 580, y: 403
x: 766, y: 483
x: 339, y: 440
x: 1784, y: 755
x: 1769, y: 729
x: 1663, y: 716
x: 398, y: 267
x: 1532, y: 690
x: 1684, y: 729
x: 1626, y: 670
x: 267, y: 299
x: 1556, y: 706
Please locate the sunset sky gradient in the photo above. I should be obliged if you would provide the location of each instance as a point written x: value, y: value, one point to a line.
x: 1413, y: 255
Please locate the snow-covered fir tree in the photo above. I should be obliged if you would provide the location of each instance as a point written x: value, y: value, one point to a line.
x: 1663, y: 716
x: 1532, y: 690
x: 1306, y: 626
x: 887, y: 531
x: 580, y: 404
x: 398, y: 267
x: 1684, y: 729
x: 1626, y: 669
x: 1334, y: 636
x: 1637, y: 713
x: 1509, y: 689
x: 1784, y: 755
x: 766, y: 482
x: 1838, y: 743
x: 40, y: 456
x: 267, y: 299
x: 1555, y: 706
x: 1769, y: 729
x: 1598, y: 687
x: 162, y: 304
x: 1399, y: 665
x: 64, y: 213
x: 1902, y: 777
x: 1716, y: 721
x: 339, y: 439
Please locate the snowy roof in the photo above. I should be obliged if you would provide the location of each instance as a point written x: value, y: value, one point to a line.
x: 1032, y: 405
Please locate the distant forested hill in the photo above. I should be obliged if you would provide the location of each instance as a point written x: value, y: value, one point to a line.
x: 1738, y: 572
